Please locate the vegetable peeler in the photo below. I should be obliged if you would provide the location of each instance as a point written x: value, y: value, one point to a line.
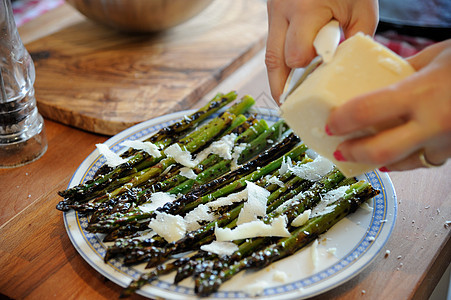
x: 325, y: 43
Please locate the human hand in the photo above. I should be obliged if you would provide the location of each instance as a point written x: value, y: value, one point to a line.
x: 293, y: 25
x: 423, y: 104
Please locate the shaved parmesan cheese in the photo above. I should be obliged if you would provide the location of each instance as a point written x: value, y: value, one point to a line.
x: 366, y: 207
x: 236, y: 154
x: 293, y: 200
x: 274, y: 180
x: 228, y: 200
x: 167, y: 170
x: 326, y: 206
x: 188, y: 173
x: 145, y: 234
x: 310, y: 153
x: 255, y: 289
x: 157, y: 200
x: 255, y: 206
x: 224, y: 146
x: 169, y: 227
x: 332, y: 251
x: 314, y: 170
x: 112, y: 159
x: 314, y: 253
x: 182, y: 157
x: 280, y: 276
x: 253, y: 229
x: 220, y: 248
x: 286, y: 165
x: 287, y: 203
x: 148, y: 147
x: 200, y: 213
x: 302, y: 218
x: 335, y: 194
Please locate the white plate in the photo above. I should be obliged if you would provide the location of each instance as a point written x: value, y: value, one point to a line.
x: 357, y: 239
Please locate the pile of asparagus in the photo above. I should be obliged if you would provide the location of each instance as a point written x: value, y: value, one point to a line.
x: 114, y: 198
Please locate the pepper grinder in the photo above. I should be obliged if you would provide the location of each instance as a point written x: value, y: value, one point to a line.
x: 22, y: 131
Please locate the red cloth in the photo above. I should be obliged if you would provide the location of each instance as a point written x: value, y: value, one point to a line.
x: 403, y: 45
x: 27, y: 10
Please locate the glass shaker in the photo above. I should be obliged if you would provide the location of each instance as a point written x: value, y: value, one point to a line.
x: 22, y: 133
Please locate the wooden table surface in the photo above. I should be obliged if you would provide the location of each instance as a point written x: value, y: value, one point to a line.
x: 38, y: 261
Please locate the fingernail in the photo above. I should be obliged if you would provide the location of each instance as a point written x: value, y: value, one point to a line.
x: 328, y: 132
x: 384, y: 169
x: 339, y: 156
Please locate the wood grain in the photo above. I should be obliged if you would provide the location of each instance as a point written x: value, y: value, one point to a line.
x: 38, y: 257
x: 38, y: 261
x: 100, y: 80
x: 413, y: 268
x: 26, y: 183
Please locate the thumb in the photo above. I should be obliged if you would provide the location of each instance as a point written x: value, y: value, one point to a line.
x: 424, y: 57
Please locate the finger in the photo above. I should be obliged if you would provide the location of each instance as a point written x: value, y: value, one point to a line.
x: 413, y: 161
x: 423, y: 58
x: 386, y: 147
x: 365, y: 25
x: 354, y: 22
x: 275, y: 58
x: 384, y: 108
x: 409, y: 163
x: 299, y: 50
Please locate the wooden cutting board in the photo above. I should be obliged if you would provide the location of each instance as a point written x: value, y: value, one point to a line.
x: 103, y: 81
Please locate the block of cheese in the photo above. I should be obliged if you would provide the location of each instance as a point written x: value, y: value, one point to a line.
x: 359, y: 65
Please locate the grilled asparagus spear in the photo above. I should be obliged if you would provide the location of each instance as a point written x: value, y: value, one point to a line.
x: 300, y: 237
x: 71, y: 195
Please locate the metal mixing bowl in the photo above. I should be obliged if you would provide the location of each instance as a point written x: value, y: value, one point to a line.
x: 140, y: 15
